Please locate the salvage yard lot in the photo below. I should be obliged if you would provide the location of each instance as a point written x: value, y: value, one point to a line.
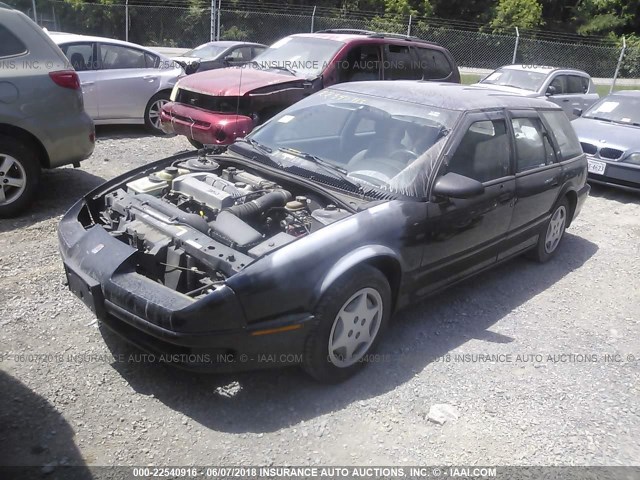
x: 541, y: 363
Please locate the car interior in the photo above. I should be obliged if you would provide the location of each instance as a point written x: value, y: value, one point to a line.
x: 486, y: 143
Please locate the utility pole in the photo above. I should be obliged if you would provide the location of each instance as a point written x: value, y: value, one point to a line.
x: 212, y: 35
x: 35, y: 13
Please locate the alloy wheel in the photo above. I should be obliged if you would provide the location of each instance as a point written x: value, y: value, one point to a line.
x: 154, y: 112
x: 555, y: 230
x: 13, y: 179
x: 355, y: 327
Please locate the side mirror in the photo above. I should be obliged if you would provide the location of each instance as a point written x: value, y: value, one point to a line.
x: 551, y: 90
x: 229, y: 59
x: 452, y: 185
x: 577, y: 112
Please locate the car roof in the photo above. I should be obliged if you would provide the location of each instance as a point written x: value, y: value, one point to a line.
x: 230, y: 43
x: 364, y: 36
x: 62, y: 37
x: 542, y: 69
x: 451, y: 96
x: 627, y: 93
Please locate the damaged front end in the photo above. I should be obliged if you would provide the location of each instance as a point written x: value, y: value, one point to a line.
x: 151, y: 254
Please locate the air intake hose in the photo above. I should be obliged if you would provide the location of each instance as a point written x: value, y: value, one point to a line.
x: 277, y: 198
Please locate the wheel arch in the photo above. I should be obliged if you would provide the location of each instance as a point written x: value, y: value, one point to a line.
x: 380, y: 257
x: 572, y: 197
x: 29, y: 138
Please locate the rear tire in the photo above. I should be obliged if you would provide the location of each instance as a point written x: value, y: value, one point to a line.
x: 152, y: 112
x: 19, y: 176
x: 353, y: 315
x: 552, y: 233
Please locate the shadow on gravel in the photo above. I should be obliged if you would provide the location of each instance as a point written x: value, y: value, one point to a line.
x: 615, y: 194
x: 59, y: 189
x: 118, y: 132
x: 266, y: 401
x: 34, y: 434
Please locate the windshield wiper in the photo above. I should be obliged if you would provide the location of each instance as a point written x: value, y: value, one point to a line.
x: 602, y: 119
x: 264, y: 151
x: 259, y: 145
x: 283, y: 68
x: 335, y: 170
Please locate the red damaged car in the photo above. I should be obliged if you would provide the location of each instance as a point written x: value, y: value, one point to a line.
x: 215, y: 107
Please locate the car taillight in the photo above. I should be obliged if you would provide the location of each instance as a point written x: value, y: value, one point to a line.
x: 66, y: 79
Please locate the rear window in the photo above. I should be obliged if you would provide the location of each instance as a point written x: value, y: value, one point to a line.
x: 10, y: 45
x: 563, y: 132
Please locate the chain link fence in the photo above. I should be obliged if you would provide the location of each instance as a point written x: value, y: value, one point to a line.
x: 189, y: 26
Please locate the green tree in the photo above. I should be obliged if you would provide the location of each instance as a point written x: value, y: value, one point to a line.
x: 603, y: 17
x: 517, y: 13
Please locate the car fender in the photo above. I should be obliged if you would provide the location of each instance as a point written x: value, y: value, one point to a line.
x: 353, y: 258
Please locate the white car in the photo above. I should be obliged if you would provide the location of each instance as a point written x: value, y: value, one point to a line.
x: 569, y: 88
x: 121, y: 82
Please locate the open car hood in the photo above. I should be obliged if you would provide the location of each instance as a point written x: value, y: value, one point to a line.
x: 236, y: 81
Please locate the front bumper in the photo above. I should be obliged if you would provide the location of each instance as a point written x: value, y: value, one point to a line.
x: 621, y: 175
x: 210, y: 334
x: 206, y: 127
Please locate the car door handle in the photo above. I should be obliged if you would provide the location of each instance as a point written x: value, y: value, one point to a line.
x: 552, y: 182
x: 84, y: 84
x: 566, y: 100
x: 150, y: 77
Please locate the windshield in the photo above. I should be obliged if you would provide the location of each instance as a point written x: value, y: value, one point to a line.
x: 616, y: 108
x: 377, y: 142
x: 524, y: 79
x: 205, y: 51
x: 302, y: 56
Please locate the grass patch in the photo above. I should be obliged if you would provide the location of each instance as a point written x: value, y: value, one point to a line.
x: 469, y: 78
x: 603, y: 90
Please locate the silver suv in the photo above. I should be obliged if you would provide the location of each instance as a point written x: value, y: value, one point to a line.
x: 569, y: 88
x: 42, y: 119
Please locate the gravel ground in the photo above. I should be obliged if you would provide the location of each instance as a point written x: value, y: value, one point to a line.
x: 551, y: 397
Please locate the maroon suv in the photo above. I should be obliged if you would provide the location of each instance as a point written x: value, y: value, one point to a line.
x: 216, y: 107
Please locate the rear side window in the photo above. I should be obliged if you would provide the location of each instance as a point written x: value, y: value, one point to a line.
x: 434, y: 63
x: 532, y: 145
x: 565, y: 136
x: 577, y: 84
x: 80, y: 55
x: 117, y: 57
x: 242, y: 54
x: 10, y: 45
x: 398, y: 64
x: 151, y: 61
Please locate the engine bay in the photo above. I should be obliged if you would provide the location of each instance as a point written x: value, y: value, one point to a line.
x: 197, y: 222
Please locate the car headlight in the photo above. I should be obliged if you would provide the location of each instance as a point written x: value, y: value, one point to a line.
x: 633, y: 158
x: 174, y: 93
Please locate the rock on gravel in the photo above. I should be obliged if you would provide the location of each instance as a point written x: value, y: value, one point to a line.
x: 441, y: 413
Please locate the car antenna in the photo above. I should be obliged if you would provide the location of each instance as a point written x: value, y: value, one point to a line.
x: 238, y: 99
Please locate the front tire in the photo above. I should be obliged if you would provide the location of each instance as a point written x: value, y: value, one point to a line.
x: 353, y: 315
x: 152, y: 112
x: 19, y: 176
x: 552, y: 233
